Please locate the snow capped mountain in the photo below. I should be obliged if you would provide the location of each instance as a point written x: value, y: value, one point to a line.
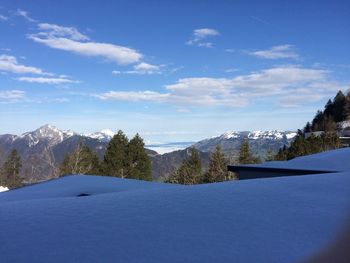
x: 47, y: 132
x: 255, y: 135
x: 104, y: 135
x: 260, y: 141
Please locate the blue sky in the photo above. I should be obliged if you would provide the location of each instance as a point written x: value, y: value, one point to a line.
x: 170, y: 70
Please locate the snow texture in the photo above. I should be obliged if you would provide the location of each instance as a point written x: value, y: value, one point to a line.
x: 103, y: 219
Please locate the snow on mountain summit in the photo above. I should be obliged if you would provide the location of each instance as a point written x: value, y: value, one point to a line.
x: 104, y: 135
x: 47, y: 132
x: 255, y: 135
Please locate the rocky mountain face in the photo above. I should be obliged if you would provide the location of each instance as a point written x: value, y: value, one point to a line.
x: 43, y: 150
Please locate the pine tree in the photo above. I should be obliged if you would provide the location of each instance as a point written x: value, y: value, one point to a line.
x: 194, y: 162
x: 329, y: 125
x: 307, y: 128
x: 217, y: 171
x: 81, y: 161
x: 189, y: 171
x: 329, y: 108
x: 317, y: 122
x: 116, y: 161
x: 338, y: 110
x: 9, y: 174
x: 245, y: 156
x: 347, y: 107
x: 139, y: 161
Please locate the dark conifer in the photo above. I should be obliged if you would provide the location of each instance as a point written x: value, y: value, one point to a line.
x: 217, y: 171
x: 139, y: 161
x: 189, y: 171
x: 116, y: 161
x: 9, y: 173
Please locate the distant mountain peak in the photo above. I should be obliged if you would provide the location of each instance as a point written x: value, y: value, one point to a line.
x: 260, y: 141
x: 254, y: 135
x: 104, y: 135
x: 46, y: 132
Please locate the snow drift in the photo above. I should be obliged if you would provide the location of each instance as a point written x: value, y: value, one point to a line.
x: 102, y: 219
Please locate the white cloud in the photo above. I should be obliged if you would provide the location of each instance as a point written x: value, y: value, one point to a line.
x: 12, y: 95
x: 204, y: 33
x: 42, y: 80
x: 10, y: 64
x: 141, y: 69
x: 25, y: 15
x: 230, y: 70
x: 70, y: 39
x: 199, y: 37
x: 3, y: 18
x: 145, y: 68
x: 62, y: 100
x: 56, y: 31
x: 133, y: 96
x: 288, y: 85
x: 277, y: 52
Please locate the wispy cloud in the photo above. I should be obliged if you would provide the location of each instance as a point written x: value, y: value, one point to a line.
x: 70, y: 39
x: 199, y: 37
x: 25, y: 15
x: 279, y: 82
x: 10, y: 64
x: 133, y: 96
x: 56, y: 31
x: 42, y: 80
x: 141, y: 69
x: 12, y: 95
x: 230, y: 70
x: 3, y: 18
x: 260, y: 20
x: 276, y: 52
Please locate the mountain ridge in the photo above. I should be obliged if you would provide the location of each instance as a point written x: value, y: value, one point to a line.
x: 43, y: 149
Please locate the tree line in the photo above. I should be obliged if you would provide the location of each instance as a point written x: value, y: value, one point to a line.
x: 325, y: 122
x: 123, y: 158
x: 191, y: 172
x: 128, y: 159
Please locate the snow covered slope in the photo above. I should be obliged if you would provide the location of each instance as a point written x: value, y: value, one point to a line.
x: 283, y: 219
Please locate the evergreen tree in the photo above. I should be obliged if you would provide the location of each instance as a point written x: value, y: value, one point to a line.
x: 329, y: 125
x: 9, y: 174
x: 189, y: 171
x: 217, y: 171
x: 338, y: 104
x: 307, y: 128
x: 281, y: 154
x: 347, y: 106
x: 81, y: 161
x: 244, y: 153
x: 317, y: 121
x: 245, y: 156
x: 115, y: 162
x: 140, y: 163
x: 329, y: 108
